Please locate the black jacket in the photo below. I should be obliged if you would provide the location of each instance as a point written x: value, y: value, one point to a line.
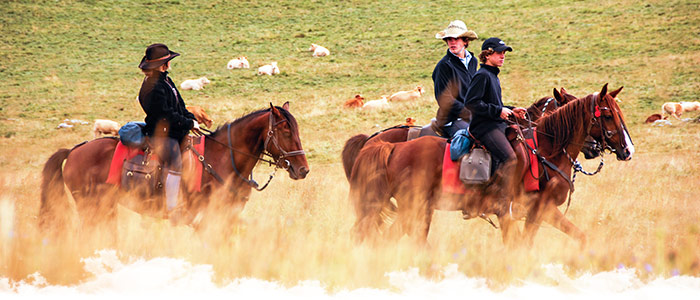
x: 450, y: 97
x: 164, y: 107
x: 484, y: 101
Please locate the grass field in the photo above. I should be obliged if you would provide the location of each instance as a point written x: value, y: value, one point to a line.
x: 78, y: 60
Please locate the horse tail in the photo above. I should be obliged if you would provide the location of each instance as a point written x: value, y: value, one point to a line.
x: 54, y: 203
x: 370, y: 189
x: 350, y: 150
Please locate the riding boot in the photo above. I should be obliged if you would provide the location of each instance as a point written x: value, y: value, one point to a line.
x: 172, y: 192
x: 503, y: 187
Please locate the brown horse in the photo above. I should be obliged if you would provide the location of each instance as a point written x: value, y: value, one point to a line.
x: 232, y: 151
x: 400, y: 133
x: 410, y: 172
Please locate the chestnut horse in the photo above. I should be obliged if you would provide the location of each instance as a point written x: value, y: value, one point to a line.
x: 231, y: 153
x: 411, y: 172
x: 400, y: 133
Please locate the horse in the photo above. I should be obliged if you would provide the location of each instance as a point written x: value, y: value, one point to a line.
x: 411, y: 172
x: 399, y: 133
x: 231, y: 153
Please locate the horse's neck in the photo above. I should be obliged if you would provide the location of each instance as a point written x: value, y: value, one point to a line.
x: 247, y: 142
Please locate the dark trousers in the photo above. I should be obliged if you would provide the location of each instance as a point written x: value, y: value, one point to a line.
x: 497, y: 144
x: 168, y: 150
x: 453, y: 127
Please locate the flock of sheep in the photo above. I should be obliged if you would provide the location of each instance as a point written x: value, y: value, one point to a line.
x: 674, y: 109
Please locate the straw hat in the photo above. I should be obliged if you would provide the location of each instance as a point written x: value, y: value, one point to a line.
x: 456, y: 29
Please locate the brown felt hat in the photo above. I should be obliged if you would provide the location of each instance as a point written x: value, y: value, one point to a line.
x: 156, y: 56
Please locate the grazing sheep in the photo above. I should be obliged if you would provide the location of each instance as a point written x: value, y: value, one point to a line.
x: 319, y: 50
x: 269, y: 69
x: 200, y: 115
x: 407, y: 95
x: 105, y: 127
x: 64, y: 125
x: 357, y: 101
x: 675, y: 109
x: 238, y: 63
x: 382, y: 103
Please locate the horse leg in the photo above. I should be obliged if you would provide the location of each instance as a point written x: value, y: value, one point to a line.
x: 510, y: 233
x: 97, y: 212
x: 557, y: 219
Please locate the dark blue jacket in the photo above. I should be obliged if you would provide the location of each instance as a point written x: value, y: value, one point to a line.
x: 451, y: 103
x: 164, y: 107
x: 484, y: 100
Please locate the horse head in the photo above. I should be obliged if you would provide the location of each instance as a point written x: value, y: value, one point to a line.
x: 608, y: 124
x: 283, y: 144
x: 591, y: 148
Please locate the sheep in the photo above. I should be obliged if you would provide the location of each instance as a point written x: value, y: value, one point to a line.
x: 409, y: 122
x: 382, y: 103
x: 357, y: 101
x: 654, y: 117
x: 105, y: 127
x: 319, y: 50
x: 238, y: 63
x: 407, y: 95
x: 200, y: 115
x: 675, y: 109
x: 194, y: 84
x: 269, y: 69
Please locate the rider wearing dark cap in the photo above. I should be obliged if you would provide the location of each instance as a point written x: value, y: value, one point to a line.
x: 489, y: 116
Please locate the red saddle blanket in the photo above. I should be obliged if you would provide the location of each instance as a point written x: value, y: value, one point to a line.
x: 190, y: 163
x: 450, y: 171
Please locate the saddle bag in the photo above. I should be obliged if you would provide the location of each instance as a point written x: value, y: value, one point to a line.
x: 475, y: 167
x: 131, y: 134
x: 142, y: 176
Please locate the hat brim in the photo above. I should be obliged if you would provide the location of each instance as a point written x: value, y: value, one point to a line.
x: 469, y: 34
x: 503, y: 48
x: 147, y: 65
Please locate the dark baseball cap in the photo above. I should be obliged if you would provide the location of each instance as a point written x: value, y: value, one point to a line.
x: 495, y: 44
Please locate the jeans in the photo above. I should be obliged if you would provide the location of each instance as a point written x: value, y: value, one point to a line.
x: 497, y: 144
x: 168, y: 149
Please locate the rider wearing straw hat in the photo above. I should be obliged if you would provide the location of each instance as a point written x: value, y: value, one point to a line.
x: 167, y: 119
x: 452, y: 76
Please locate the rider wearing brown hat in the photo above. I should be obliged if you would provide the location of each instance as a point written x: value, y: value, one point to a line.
x: 167, y: 119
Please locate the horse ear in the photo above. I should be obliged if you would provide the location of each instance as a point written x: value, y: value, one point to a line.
x: 556, y: 94
x: 286, y: 106
x: 615, y: 92
x: 274, y: 110
x: 604, y: 91
x: 563, y: 91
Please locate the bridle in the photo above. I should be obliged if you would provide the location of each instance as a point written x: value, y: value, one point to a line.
x: 279, y: 161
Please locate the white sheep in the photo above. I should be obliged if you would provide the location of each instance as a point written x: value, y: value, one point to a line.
x: 407, y: 95
x: 269, y: 69
x: 194, y: 84
x: 238, y: 63
x: 319, y: 50
x: 382, y: 103
x: 105, y: 127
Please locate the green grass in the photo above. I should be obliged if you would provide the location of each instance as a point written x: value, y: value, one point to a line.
x: 78, y: 60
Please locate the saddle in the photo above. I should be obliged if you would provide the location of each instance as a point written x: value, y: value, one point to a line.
x: 475, y: 167
x: 426, y: 130
x: 138, y: 170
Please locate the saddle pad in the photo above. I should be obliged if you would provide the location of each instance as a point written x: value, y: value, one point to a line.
x: 530, y: 182
x: 450, y: 175
x: 193, y: 163
x: 413, y: 133
x: 121, y: 153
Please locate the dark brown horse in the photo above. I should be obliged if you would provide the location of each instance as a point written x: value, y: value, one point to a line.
x: 410, y: 172
x: 232, y: 151
x: 400, y: 133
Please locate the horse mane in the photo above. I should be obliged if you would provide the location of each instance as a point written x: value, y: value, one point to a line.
x: 286, y: 114
x: 565, y: 122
